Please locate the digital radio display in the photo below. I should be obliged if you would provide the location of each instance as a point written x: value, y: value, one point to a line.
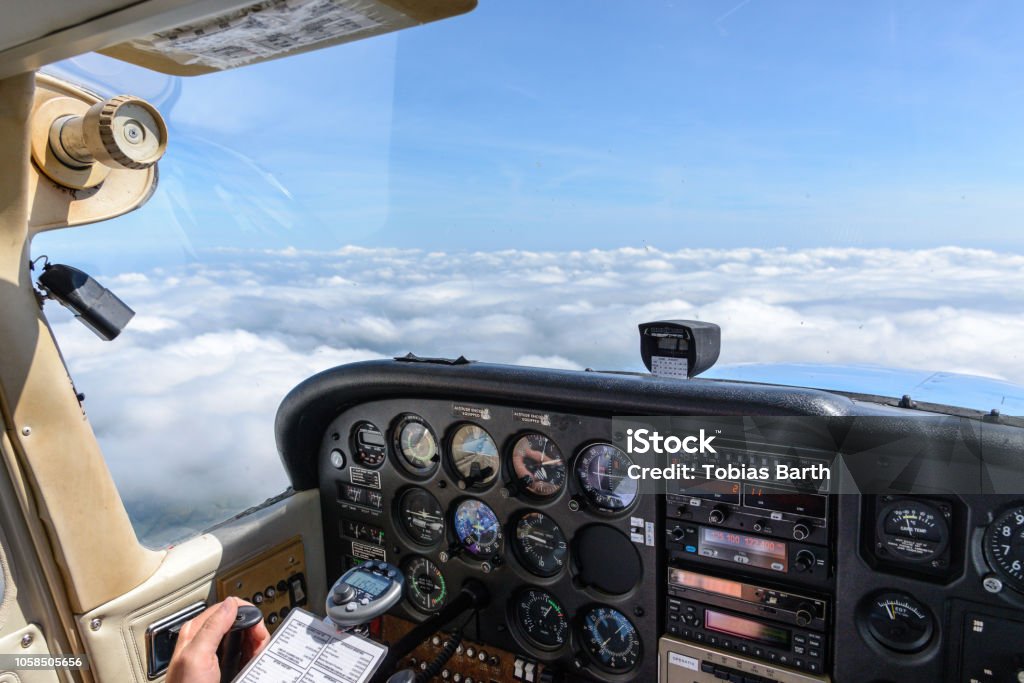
x: 743, y: 549
x: 708, y: 584
x: 782, y: 500
x: 745, y: 628
x: 711, y: 489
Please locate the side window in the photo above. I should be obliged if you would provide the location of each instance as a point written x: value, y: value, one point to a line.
x: 183, y: 401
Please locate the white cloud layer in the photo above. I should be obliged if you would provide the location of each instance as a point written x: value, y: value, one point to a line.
x: 183, y: 402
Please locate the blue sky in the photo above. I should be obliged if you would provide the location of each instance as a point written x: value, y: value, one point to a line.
x: 581, y: 124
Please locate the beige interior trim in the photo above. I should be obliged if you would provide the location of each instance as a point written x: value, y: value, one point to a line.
x: 117, y: 648
x: 12, y: 644
x: 52, y: 444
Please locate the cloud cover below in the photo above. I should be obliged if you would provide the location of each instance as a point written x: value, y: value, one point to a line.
x: 183, y: 402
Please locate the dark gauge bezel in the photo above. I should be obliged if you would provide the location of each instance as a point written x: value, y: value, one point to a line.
x: 409, y: 590
x: 357, y: 454
x: 1000, y: 564
x: 457, y: 474
x: 517, y: 618
x: 403, y: 524
x: 499, y: 540
x: 588, y: 491
x: 886, y: 539
x: 868, y: 609
x: 399, y: 453
x: 525, y: 557
x: 594, y: 657
x: 516, y: 480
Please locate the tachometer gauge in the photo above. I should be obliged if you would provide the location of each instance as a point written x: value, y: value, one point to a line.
x: 898, y: 621
x: 421, y: 516
x: 913, y: 530
x: 538, y: 465
x: 1004, y: 547
x: 416, y: 443
x: 424, y: 584
x: 601, y: 470
x: 477, y: 528
x: 541, y: 618
x: 540, y: 544
x: 369, y: 448
x: 610, y: 639
x: 474, y: 456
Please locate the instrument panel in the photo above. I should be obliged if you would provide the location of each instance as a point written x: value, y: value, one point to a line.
x: 533, y: 503
x: 594, y: 578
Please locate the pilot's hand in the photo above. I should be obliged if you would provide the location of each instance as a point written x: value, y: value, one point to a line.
x: 195, y: 656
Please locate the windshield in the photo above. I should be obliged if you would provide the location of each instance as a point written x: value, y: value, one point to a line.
x: 838, y: 187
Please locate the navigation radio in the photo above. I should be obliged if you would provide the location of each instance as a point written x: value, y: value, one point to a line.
x: 749, y: 620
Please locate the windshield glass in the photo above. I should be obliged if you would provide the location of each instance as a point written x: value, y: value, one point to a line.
x: 838, y: 187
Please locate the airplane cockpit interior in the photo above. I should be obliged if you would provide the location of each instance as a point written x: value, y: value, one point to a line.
x: 450, y: 514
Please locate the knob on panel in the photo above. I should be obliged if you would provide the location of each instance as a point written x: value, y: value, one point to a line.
x: 801, y: 531
x: 804, y: 560
x: 718, y: 514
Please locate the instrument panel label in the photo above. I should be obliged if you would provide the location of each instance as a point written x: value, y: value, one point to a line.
x: 464, y: 410
x: 369, y: 552
x: 684, y: 661
x: 531, y: 418
x: 362, y: 477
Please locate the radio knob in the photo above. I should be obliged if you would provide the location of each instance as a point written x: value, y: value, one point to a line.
x: 803, y: 616
x: 717, y: 514
x: 678, y: 533
x: 804, y: 560
x: 801, y: 531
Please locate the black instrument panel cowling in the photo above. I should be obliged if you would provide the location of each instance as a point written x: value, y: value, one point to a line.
x: 333, y: 401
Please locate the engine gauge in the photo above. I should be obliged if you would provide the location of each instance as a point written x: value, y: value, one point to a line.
x: 477, y: 528
x: 610, y: 639
x: 416, y: 443
x: 538, y: 465
x: 1004, y: 547
x: 601, y: 470
x: 421, y: 516
x: 898, y: 621
x: 913, y: 530
x: 424, y: 584
x: 369, y: 447
x: 474, y: 456
x: 541, y: 618
x: 540, y: 544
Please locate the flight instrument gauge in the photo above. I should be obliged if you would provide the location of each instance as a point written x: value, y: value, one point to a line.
x: 610, y: 639
x: 474, y: 456
x: 477, y: 528
x: 538, y: 465
x: 913, y: 530
x: 369, y: 448
x: 898, y: 621
x: 416, y: 443
x: 1004, y: 547
x: 602, y: 473
x: 421, y: 516
x: 541, y: 618
x: 540, y: 544
x: 424, y: 584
